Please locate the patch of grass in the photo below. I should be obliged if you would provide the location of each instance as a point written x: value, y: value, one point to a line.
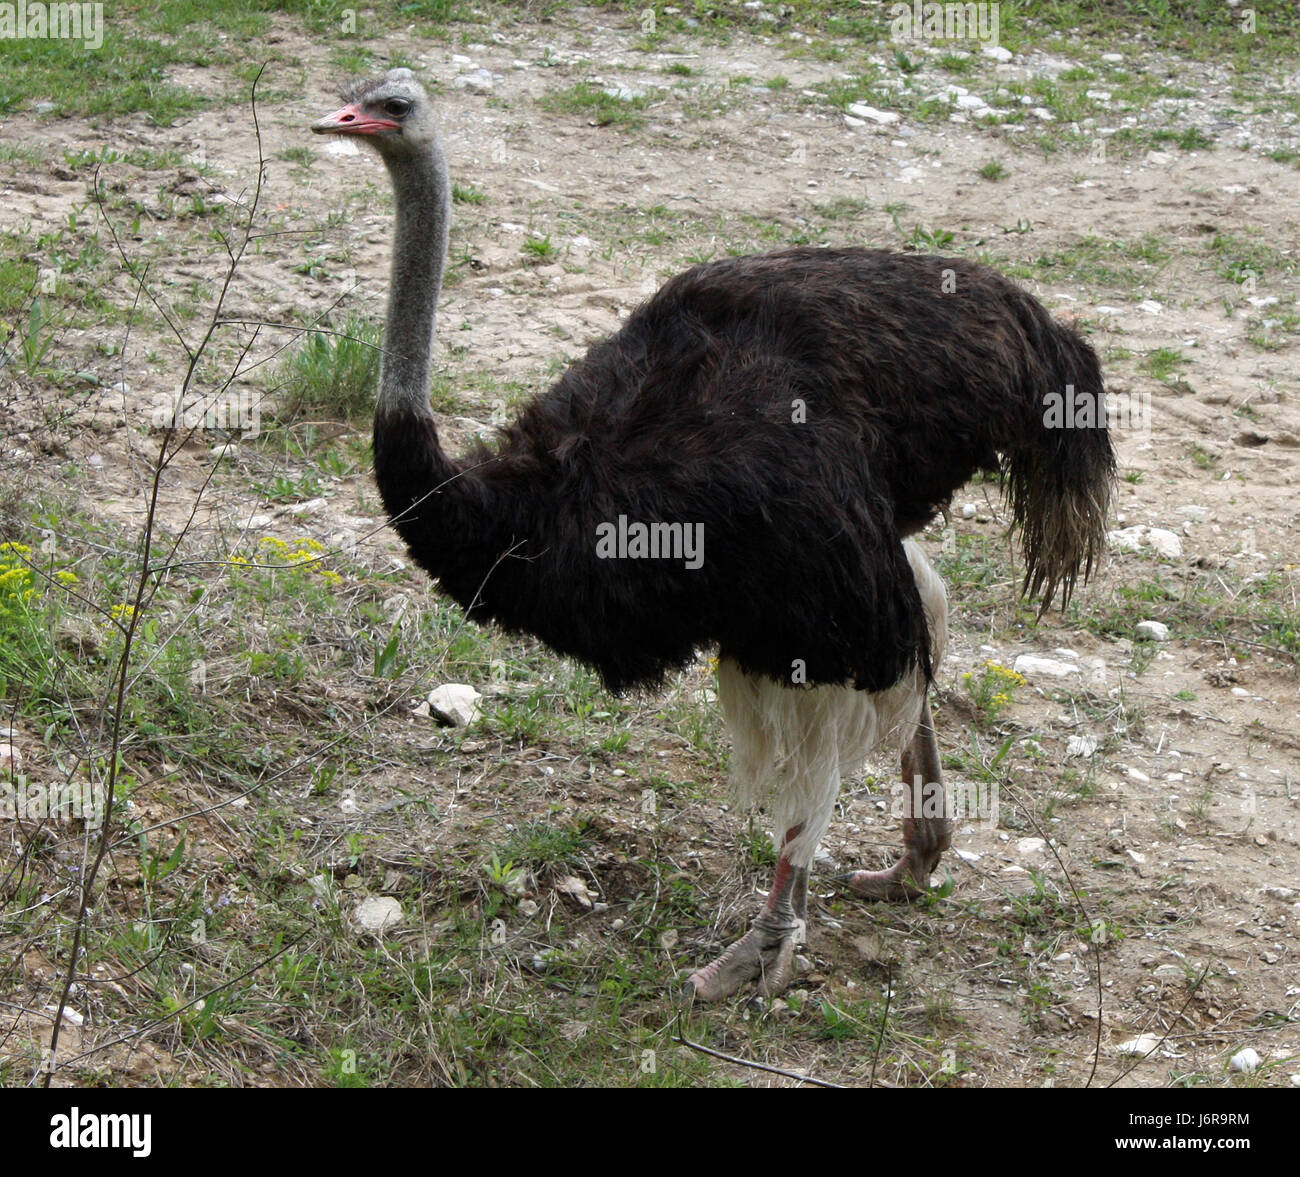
x: 1240, y: 258
x: 539, y: 249
x: 993, y: 170
x: 335, y: 373
x: 956, y: 63
x: 304, y: 157
x: 468, y: 194
x: 1218, y: 606
x: 597, y: 105
x: 128, y: 76
x: 1162, y: 362
x: 541, y: 847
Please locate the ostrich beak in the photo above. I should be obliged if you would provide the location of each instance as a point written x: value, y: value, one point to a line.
x: 351, y: 120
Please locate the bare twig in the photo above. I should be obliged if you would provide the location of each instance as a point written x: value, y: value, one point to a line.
x: 680, y: 1036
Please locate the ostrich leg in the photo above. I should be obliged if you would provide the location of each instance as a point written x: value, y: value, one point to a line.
x: 925, y: 837
x: 766, y: 951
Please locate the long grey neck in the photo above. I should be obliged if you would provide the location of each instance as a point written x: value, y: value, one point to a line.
x: 423, y: 196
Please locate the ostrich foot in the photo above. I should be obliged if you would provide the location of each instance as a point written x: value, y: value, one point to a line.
x: 927, y: 827
x: 907, y: 879
x: 766, y: 951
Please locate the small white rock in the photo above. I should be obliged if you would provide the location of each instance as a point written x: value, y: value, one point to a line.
x: 871, y: 114
x: 1155, y: 631
x: 999, y: 53
x: 1130, y: 539
x: 11, y: 760
x: 1245, y: 1062
x: 479, y: 82
x: 575, y: 888
x: 1081, y: 745
x: 1142, y: 1044
x: 968, y: 510
x: 1036, y: 666
x: 455, y: 704
x: 1030, y: 846
x: 378, y: 914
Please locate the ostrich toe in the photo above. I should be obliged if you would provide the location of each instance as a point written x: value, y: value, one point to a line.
x: 765, y: 952
x: 907, y: 879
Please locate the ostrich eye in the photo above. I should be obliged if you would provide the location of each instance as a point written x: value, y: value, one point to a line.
x: 397, y: 107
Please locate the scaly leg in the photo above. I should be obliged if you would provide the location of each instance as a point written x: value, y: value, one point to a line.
x: 924, y: 837
x: 766, y: 951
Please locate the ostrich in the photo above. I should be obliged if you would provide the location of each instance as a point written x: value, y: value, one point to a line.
x: 798, y: 415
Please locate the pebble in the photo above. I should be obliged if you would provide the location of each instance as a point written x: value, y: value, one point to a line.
x: 11, y: 760
x: 455, y: 704
x: 1034, y: 665
x: 871, y: 114
x: 575, y: 888
x: 1081, y: 745
x: 478, y: 82
x: 1131, y: 539
x: 1245, y: 1061
x: 378, y: 914
x: 1155, y: 631
x: 1142, y: 1044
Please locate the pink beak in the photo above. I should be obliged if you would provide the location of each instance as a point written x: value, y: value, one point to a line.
x: 350, y: 120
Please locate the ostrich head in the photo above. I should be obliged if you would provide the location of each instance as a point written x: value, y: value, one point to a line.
x: 391, y: 112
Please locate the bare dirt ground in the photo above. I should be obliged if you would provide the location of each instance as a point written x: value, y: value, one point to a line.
x: 1144, y: 876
